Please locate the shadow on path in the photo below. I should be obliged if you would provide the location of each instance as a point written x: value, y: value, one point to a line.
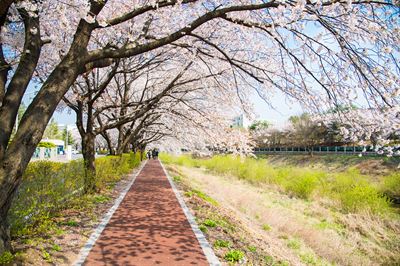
x: 148, y: 228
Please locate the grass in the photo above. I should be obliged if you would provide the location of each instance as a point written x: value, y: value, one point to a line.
x: 252, y: 248
x: 46, y: 255
x: 266, y: 227
x: 210, y: 223
x: 219, y: 243
x: 203, y: 228
x: 201, y: 195
x: 294, y: 244
x: 391, y: 185
x: 71, y: 223
x: 234, y: 255
x: 101, y: 198
x: 318, y: 230
x: 6, y: 258
x: 56, y: 247
x: 177, y: 178
x: 352, y: 191
x: 308, y: 259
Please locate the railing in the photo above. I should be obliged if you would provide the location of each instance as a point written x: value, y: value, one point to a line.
x: 344, y: 150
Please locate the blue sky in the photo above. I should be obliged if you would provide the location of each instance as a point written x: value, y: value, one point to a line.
x: 280, y: 113
x: 277, y: 115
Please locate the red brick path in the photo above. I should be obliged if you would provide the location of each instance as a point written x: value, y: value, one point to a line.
x: 148, y: 228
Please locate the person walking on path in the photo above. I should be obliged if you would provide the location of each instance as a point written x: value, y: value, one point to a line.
x: 154, y: 154
x: 148, y: 155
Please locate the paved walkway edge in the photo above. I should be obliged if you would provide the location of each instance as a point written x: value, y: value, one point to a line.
x: 207, y: 250
x: 97, y: 232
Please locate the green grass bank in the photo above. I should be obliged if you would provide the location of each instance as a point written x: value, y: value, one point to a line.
x: 348, y: 190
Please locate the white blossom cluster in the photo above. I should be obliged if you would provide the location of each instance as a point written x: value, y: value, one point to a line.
x: 320, y: 53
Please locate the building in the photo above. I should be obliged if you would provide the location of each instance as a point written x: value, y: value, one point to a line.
x: 58, y: 142
x: 240, y: 121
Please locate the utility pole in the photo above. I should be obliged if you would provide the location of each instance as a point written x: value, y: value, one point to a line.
x: 16, y: 123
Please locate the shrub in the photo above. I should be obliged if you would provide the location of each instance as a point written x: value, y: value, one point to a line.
x: 391, y: 185
x: 363, y: 197
x: 48, y: 187
x: 349, y: 187
x: 46, y: 145
x: 303, y: 184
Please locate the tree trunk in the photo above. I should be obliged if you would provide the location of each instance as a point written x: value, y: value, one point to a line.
x: 121, y: 138
x: 5, y: 237
x: 109, y: 144
x: 10, y: 177
x: 89, y: 157
x: 15, y: 155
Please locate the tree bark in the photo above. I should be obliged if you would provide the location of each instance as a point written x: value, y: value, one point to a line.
x: 121, y: 138
x: 15, y: 158
x: 89, y: 157
x: 109, y: 143
x: 7, y: 193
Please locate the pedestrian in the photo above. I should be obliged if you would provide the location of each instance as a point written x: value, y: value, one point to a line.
x: 148, y: 155
x: 154, y: 154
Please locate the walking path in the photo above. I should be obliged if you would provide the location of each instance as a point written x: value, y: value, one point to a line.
x: 150, y: 228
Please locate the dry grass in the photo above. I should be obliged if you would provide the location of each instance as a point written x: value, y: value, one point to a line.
x: 324, y: 235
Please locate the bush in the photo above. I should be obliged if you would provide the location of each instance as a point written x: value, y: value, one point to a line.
x: 48, y: 187
x: 391, y: 185
x: 363, y: 197
x: 110, y: 169
x: 46, y: 145
x: 350, y: 188
x: 303, y: 184
x: 45, y: 188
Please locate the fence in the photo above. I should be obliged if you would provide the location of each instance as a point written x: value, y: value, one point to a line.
x: 44, y: 153
x: 344, y: 150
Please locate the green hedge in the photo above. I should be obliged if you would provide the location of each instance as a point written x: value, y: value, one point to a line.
x: 49, y: 187
x: 46, y: 145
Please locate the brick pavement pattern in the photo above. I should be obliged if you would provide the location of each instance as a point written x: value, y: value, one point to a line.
x: 148, y: 228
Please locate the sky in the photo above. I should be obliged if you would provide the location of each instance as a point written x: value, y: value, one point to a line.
x: 279, y: 113
x: 276, y: 115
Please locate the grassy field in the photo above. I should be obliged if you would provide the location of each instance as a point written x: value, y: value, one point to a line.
x: 324, y: 211
x: 349, y: 189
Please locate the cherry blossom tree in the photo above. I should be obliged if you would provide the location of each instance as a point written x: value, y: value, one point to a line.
x: 321, y: 53
x: 133, y: 94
